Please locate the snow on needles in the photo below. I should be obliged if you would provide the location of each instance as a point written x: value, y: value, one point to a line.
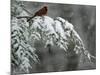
x: 51, y: 31
x: 58, y: 32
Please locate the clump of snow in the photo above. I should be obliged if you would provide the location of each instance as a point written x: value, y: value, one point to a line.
x: 21, y: 48
x: 58, y: 32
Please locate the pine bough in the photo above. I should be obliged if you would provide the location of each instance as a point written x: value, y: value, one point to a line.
x: 56, y: 31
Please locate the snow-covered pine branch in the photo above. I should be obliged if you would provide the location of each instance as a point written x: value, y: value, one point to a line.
x: 59, y: 32
x: 21, y: 49
x: 56, y: 31
x: 51, y: 31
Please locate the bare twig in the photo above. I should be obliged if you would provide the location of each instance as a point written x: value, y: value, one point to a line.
x: 19, y: 17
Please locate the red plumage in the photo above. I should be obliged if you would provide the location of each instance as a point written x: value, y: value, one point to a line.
x: 41, y: 12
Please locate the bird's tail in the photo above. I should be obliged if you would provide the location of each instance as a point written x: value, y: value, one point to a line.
x: 30, y: 18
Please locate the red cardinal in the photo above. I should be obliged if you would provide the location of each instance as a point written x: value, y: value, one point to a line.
x: 41, y: 12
